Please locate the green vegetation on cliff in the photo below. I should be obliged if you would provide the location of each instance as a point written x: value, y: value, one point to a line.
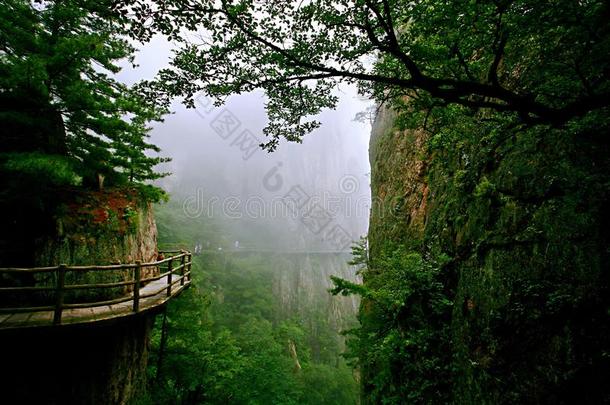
x: 231, y: 339
x: 508, y: 227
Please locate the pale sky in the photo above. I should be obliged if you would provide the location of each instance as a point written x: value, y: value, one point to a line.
x: 328, y: 161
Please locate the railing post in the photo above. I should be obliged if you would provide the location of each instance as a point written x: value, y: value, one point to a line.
x: 190, y: 261
x: 59, y: 293
x: 137, y: 271
x: 182, y: 266
x: 169, y: 277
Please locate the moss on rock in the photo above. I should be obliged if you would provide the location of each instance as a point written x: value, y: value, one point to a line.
x: 520, y: 215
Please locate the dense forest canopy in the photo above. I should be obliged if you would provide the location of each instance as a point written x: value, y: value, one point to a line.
x: 63, y: 112
x: 543, y: 62
x: 233, y: 338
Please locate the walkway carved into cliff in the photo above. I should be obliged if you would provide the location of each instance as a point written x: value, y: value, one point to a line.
x: 63, y: 302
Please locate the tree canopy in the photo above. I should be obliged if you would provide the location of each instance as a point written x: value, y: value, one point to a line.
x: 59, y: 96
x: 543, y: 62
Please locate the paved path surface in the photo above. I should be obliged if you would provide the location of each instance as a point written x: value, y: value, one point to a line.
x: 95, y: 314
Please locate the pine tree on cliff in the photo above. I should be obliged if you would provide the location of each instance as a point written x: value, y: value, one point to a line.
x: 64, y: 117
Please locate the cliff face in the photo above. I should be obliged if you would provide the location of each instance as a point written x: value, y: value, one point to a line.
x: 516, y: 221
x: 98, y: 363
x: 301, y: 284
x: 102, y: 364
x: 399, y: 185
x: 100, y: 227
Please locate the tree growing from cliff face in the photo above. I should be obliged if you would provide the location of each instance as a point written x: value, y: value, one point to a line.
x: 59, y: 99
x: 541, y: 61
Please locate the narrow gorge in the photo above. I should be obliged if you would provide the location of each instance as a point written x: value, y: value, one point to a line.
x: 378, y: 202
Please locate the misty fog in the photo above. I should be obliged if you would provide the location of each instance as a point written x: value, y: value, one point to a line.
x: 310, y: 196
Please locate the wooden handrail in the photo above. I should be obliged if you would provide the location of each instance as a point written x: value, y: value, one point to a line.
x: 96, y: 267
x: 161, y: 275
x: 27, y: 288
x: 99, y: 303
x: 61, y: 287
x: 164, y: 288
x: 98, y: 285
x: 28, y: 270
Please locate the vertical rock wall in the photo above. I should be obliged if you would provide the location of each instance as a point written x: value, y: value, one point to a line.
x: 302, y: 282
x: 112, y: 226
x: 520, y: 219
x: 85, y: 364
x: 399, y: 185
x: 99, y: 363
